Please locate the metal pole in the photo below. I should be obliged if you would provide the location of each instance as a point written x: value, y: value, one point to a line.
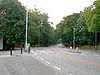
x: 21, y: 47
x: 11, y: 52
x: 95, y: 40
x: 21, y: 50
x: 41, y: 22
x: 26, y: 29
x: 39, y: 37
x: 73, y: 38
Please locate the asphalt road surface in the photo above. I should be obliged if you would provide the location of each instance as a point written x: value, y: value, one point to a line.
x: 68, y: 63
x: 22, y: 64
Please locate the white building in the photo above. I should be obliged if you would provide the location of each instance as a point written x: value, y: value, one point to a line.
x: 1, y: 43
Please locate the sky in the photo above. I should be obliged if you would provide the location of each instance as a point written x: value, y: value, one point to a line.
x: 57, y: 9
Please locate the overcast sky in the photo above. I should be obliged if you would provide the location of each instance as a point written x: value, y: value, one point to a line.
x: 57, y: 9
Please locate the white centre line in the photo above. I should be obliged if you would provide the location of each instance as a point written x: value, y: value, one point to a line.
x: 57, y: 67
x: 47, y: 62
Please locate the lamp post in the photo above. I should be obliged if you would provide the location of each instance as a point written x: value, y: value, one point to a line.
x: 40, y: 22
x: 95, y: 40
x: 26, y: 30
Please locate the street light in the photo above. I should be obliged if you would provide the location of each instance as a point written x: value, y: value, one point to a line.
x: 40, y: 22
x: 26, y: 29
x: 95, y: 39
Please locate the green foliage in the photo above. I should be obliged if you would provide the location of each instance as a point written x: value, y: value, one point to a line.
x: 85, y: 23
x: 12, y: 20
x: 65, y: 28
x: 83, y: 36
x: 92, y: 16
x: 40, y: 33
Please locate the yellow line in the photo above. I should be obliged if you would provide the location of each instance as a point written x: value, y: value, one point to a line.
x: 5, y: 56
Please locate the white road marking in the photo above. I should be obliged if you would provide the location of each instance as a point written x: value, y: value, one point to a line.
x: 70, y: 74
x: 41, y: 58
x: 83, y: 54
x: 50, y: 51
x: 57, y: 67
x: 66, y: 52
x: 33, y: 52
x: 47, y: 62
x: 96, y: 55
x: 41, y: 51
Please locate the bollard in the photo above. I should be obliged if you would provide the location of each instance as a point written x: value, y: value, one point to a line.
x: 77, y: 50
x: 11, y: 52
x: 21, y: 50
x: 21, y: 47
x: 70, y: 48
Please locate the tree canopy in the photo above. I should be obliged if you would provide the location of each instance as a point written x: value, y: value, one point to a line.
x: 40, y: 32
x: 12, y: 21
x: 92, y: 16
x: 84, y: 24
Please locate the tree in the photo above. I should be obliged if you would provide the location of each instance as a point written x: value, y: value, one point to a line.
x: 83, y: 36
x: 74, y: 23
x: 65, y: 28
x: 92, y: 16
x: 12, y: 21
x: 84, y: 25
x: 40, y: 33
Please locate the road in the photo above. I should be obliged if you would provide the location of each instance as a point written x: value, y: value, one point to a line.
x: 68, y: 63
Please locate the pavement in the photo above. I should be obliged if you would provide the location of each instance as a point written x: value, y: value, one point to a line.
x: 22, y: 64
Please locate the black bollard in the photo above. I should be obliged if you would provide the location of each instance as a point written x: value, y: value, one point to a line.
x: 11, y: 52
x: 21, y: 50
x: 21, y: 47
